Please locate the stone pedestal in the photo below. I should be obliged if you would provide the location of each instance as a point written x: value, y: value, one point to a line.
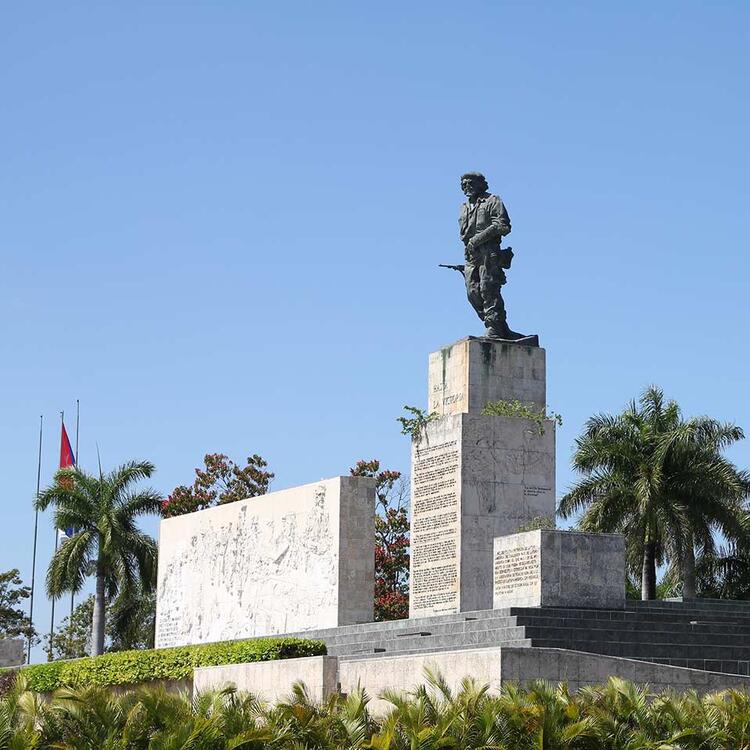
x: 475, y: 477
x: 550, y: 568
x: 292, y: 560
x: 464, y: 376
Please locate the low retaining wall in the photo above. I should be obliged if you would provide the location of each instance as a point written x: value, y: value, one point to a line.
x: 324, y: 675
x: 272, y: 680
x: 579, y: 668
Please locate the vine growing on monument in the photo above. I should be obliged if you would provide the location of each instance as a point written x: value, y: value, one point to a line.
x: 415, y: 422
x: 519, y: 410
x: 391, y: 540
x: 220, y: 481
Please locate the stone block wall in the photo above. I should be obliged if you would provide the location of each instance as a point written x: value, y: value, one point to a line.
x: 554, y: 568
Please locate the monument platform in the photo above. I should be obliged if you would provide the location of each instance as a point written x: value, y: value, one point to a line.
x: 702, y: 645
x: 300, y: 562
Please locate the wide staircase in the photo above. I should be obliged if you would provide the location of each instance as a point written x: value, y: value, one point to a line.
x: 701, y: 634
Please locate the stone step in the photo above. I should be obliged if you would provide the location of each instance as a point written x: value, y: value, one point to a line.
x: 396, y: 625
x: 703, y: 637
x: 632, y: 644
x: 468, y: 639
x: 698, y: 626
x: 436, y: 629
x: 632, y: 614
x: 728, y: 604
x: 428, y: 649
x: 642, y: 635
x: 646, y: 651
x: 691, y: 609
x: 711, y: 665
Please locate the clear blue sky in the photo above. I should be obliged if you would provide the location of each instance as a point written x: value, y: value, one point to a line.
x: 220, y: 222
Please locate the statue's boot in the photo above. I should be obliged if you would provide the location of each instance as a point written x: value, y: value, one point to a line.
x: 501, y: 330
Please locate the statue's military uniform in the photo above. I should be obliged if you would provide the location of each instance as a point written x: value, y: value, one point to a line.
x: 486, y: 222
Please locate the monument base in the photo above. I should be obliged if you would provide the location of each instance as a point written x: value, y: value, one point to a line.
x: 495, y: 666
x: 532, y: 340
x: 555, y: 568
x: 474, y: 477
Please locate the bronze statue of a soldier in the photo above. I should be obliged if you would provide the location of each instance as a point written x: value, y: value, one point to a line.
x: 483, y: 223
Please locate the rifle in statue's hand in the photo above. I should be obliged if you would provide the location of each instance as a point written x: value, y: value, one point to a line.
x: 504, y: 258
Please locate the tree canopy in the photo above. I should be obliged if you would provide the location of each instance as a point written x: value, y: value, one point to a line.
x: 391, y: 540
x: 220, y: 481
x: 13, y: 620
x: 661, y: 480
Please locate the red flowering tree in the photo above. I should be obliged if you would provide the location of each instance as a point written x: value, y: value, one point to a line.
x: 391, y: 541
x: 221, y: 481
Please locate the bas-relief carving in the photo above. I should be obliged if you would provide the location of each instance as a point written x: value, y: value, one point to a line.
x: 251, y: 575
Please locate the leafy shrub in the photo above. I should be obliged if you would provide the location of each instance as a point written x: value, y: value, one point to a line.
x: 431, y: 717
x: 129, y: 667
x: 7, y: 680
x: 537, y: 522
x: 415, y: 425
x: 520, y: 410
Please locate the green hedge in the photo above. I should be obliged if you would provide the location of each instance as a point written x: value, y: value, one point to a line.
x: 128, y: 667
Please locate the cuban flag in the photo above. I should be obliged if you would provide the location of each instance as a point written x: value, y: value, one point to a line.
x: 67, y: 459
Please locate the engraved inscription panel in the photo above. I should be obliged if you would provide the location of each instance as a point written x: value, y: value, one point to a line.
x: 448, y: 385
x: 533, y: 491
x: 517, y: 571
x: 435, y: 529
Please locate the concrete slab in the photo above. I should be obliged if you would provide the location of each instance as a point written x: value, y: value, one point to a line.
x: 291, y: 560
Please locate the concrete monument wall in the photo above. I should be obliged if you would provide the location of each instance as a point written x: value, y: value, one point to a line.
x: 296, y: 559
x: 475, y: 477
x: 273, y: 680
x: 12, y: 652
x: 550, y: 568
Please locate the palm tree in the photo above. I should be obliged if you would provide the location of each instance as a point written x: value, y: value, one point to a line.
x: 660, y: 480
x: 102, y: 510
x: 724, y: 572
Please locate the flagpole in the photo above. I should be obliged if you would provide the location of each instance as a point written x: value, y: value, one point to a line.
x: 78, y: 419
x: 54, y: 525
x: 36, y: 529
